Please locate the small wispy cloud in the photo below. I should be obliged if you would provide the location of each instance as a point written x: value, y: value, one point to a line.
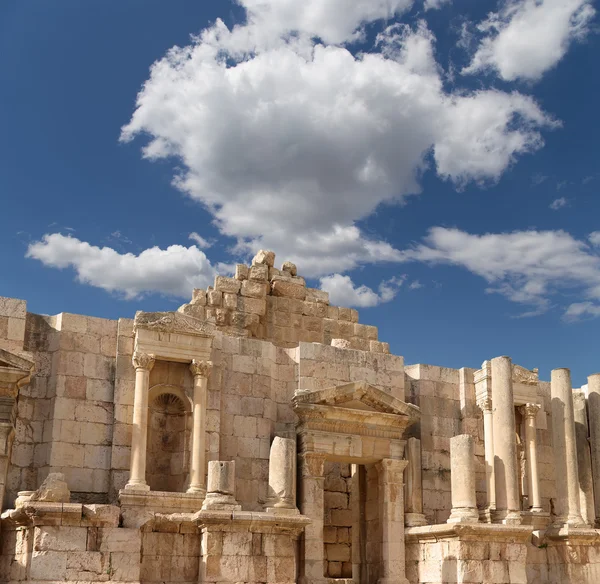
x: 200, y: 241
x: 558, y: 204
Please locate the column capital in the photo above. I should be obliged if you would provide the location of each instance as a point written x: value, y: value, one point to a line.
x: 530, y: 410
x: 485, y: 404
x: 392, y: 468
x: 201, y: 368
x: 142, y: 360
x: 312, y: 464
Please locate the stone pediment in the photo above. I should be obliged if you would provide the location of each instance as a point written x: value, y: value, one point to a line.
x: 173, y: 322
x: 360, y: 396
x: 12, y: 361
x: 15, y: 371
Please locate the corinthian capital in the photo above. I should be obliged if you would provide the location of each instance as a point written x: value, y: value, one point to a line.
x: 530, y: 410
x: 142, y: 360
x: 201, y: 368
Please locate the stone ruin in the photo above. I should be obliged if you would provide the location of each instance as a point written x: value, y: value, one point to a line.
x: 261, y: 435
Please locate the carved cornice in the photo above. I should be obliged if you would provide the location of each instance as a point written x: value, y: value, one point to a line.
x: 173, y: 322
x: 201, y: 368
x: 525, y: 376
x: 142, y: 360
x: 530, y: 410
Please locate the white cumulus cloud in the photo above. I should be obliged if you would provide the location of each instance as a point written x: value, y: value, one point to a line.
x: 289, y: 143
x: 528, y: 267
x: 526, y: 38
x: 343, y: 292
x: 333, y: 21
x: 174, y: 271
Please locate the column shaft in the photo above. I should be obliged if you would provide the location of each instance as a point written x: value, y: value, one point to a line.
x: 533, y: 482
x: 201, y: 371
x: 594, y: 419
x: 391, y: 517
x: 413, y: 485
x: 584, y: 463
x: 462, y: 478
x: 508, y: 506
x: 565, y: 449
x: 137, y: 476
x: 488, y: 433
x: 312, y: 504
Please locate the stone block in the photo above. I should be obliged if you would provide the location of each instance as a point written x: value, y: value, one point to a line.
x: 61, y: 539
x: 214, y: 298
x: 252, y: 305
x: 254, y: 289
x: 13, y: 307
x: 48, y: 565
x: 241, y: 272
x: 260, y: 273
x: 315, y: 295
x: 199, y: 296
x: 288, y: 290
x: 230, y: 301
x: 125, y: 566
x: 225, y: 284
x: 338, y: 552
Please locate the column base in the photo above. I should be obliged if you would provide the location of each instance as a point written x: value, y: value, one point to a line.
x: 464, y: 515
x: 414, y: 520
x: 200, y: 491
x: 144, y: 487
x: 282, y: 510
x: 571, y: 521
x: 220, y: 502
x: 506, y: 517
x: 487, y: 515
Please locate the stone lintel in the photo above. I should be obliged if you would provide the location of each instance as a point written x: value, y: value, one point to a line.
x: 470, y: 532
x: 161, y: 501
x: 570, y: 535
x: 256, y: 521
x: 38, y: 513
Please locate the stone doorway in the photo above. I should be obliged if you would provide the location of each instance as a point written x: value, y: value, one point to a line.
x: 359, y: 425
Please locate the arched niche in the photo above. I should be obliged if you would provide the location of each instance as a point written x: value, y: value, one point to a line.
x: 169, y: 438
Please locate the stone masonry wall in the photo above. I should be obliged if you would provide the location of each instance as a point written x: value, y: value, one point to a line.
x: 266, y: 303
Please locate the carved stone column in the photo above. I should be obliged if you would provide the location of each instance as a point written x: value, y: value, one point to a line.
x: 413, y: 485
x: 143, y: 364
x: 584, y: 462
x: 529, y: 412
x: 282, y: 476
x: 565, y: 450
x: 312, y: 495
x: 594, y: 416
x: 488, y: 432
x: 462, y: 478
x: 200, y: 370
x: 508, y: 506
x: 391, y: 517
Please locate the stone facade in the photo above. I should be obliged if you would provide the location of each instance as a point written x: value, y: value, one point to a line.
x: 261, y: 435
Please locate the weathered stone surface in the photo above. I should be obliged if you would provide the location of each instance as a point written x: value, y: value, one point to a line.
x: 288, y: 289
x: 54, y: 489
x: 290, y: 268
x: 264, y: 257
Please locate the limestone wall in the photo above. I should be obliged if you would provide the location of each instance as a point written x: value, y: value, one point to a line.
x: 266, y: 303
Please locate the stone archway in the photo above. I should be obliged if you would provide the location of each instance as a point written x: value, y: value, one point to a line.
x: 169, y: 439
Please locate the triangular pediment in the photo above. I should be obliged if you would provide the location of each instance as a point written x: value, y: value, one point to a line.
x: 11, y: 361
x: 358, y: 395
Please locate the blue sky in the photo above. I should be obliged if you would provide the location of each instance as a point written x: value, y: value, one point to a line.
x: 433, y: 163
